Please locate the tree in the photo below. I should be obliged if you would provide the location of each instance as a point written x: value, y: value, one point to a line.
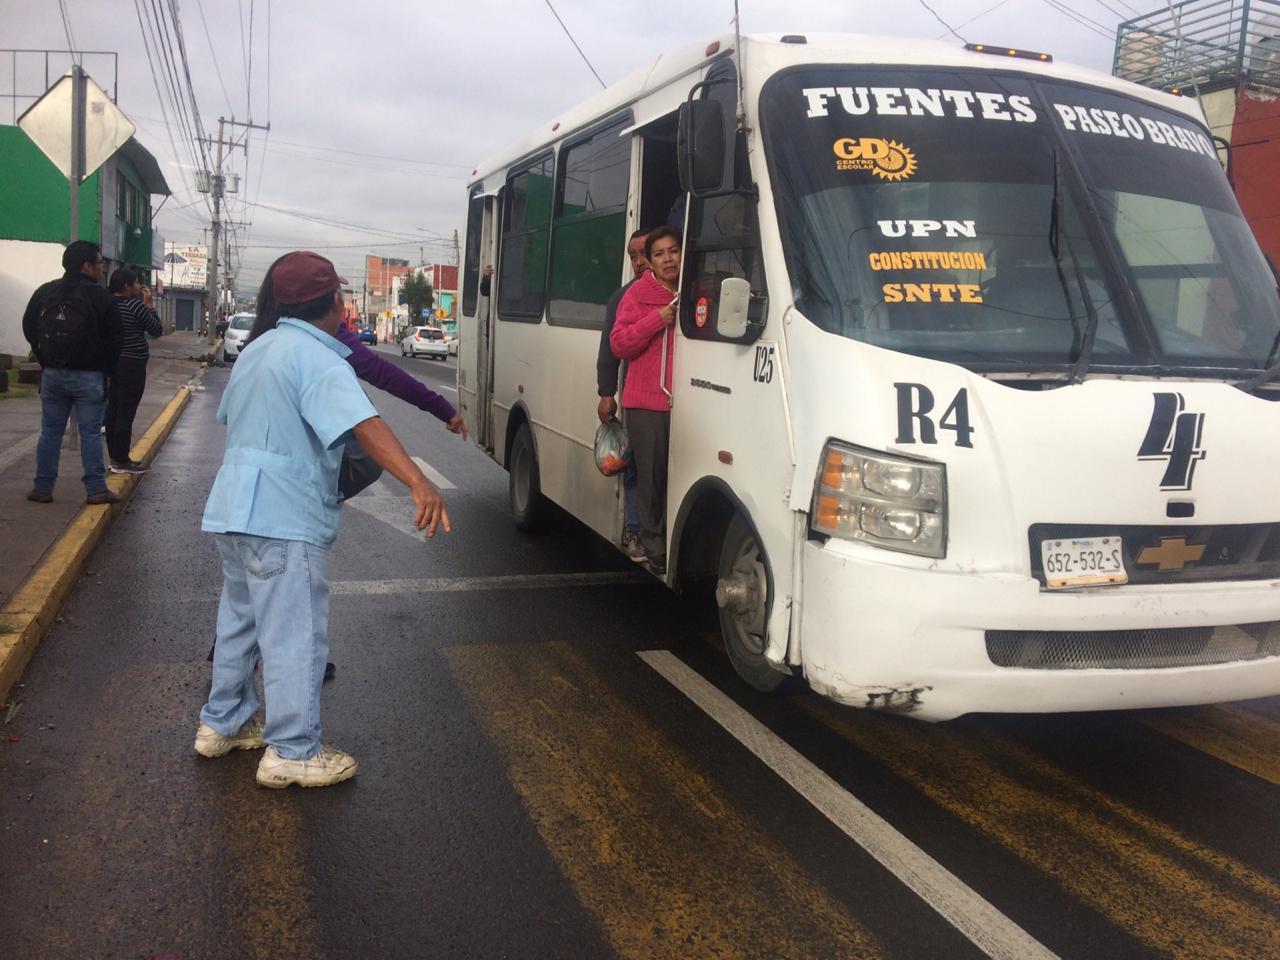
x: 416, y: 294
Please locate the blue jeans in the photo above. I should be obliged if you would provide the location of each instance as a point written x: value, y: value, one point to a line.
x: 60, y: 391
x: 275, y: 603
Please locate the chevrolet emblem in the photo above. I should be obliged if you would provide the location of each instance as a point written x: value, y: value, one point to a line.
x: 1174, y: 553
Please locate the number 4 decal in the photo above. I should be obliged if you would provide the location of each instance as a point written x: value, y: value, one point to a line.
x: 915, y: 403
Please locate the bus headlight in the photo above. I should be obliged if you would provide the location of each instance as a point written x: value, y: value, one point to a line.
x: 888, y: 501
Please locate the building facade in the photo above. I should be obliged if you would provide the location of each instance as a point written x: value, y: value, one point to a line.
x: 115, y: 212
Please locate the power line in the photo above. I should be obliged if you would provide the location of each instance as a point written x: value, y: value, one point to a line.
x: 213, y: 54
x: 66, y: 27
x: 1079, y: 18
x: 978, y: 16
x: 574, y: 42
x: 950, y: 29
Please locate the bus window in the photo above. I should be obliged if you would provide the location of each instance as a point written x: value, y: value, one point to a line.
x: 522, y: 267
x: 471, y: 266
x: 588, y: 234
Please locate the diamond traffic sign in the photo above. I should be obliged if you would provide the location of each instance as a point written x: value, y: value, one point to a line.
x: 48, y: 123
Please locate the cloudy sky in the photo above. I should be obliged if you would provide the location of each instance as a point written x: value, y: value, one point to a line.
x: 380, y: 109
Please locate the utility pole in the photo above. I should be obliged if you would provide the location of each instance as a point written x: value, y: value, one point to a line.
x: 217, y: 185
x: 456, y: 252
x: 77, y: 148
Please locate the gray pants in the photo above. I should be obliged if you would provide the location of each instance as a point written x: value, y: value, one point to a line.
x: 650, y: 432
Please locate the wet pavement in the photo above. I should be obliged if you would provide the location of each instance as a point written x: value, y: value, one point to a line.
x: 530, y: 786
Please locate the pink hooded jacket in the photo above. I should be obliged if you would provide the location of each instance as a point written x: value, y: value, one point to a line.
x: 637, y: 338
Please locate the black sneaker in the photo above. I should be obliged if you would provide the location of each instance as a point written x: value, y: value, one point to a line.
x: 656, y: 565
x: 329, y: 669
x: 127, y: 466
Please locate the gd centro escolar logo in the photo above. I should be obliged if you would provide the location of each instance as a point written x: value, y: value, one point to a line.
x: 887, y: 159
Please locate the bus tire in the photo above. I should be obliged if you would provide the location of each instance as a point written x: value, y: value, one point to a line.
x: 742, y: 595
x: 527, y: 504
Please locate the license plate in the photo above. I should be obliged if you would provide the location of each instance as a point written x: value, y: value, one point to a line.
x: 1083, y: 562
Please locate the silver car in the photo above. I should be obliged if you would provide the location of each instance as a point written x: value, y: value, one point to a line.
x: 233, y: 340
x: 425, y: 342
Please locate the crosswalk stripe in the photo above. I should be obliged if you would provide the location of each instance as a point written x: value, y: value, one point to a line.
x: 537, y: 581
x: 1184, y: 899
x: 668, y: 866
x: 434, y: 475
x: 985, y: 926
x: 1234, y: 735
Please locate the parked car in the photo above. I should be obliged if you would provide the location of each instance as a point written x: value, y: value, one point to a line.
x: 453, y: 345
x: 424, y: 342
x: 233, y: 340
x: 367, y: 335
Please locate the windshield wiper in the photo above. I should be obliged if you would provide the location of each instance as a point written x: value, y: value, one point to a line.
x: 1081, y: 365
x: 1271, y: 368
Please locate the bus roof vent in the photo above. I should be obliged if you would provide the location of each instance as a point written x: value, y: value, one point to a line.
x: 1008, y: 52
x: 795, y: 38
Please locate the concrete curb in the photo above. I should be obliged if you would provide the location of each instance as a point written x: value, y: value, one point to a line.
x: 31, y: 611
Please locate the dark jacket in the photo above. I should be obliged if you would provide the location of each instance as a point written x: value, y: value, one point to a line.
x: 606, y: 363
x: 101, y: 348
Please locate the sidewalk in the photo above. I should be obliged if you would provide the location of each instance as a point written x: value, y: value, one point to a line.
x: 30, y: 529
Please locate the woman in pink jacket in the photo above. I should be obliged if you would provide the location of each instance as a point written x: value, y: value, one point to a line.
x: 645, y: 323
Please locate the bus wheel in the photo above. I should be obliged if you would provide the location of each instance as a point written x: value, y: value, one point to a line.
x: 527, y: 505
x: 742, y: 594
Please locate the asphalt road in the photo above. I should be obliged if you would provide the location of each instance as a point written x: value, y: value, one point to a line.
x: 557, y: 761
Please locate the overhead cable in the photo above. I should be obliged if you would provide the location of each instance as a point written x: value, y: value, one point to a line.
x: 574, y: 42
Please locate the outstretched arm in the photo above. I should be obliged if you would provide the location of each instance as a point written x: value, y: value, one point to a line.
x: 381, y: 373
x: 385, y: 449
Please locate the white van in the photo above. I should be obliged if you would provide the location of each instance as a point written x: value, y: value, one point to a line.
x: 972, y: 407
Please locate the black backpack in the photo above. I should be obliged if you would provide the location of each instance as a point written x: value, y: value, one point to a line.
x: 66, y: 324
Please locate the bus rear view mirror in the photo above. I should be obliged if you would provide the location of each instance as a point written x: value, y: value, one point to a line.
x: 700, y: 146
x: 731, y: 311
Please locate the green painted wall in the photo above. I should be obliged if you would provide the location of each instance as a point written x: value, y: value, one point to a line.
x: 33, y: 194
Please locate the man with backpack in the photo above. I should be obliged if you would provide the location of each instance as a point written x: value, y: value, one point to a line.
x: 74, y: 328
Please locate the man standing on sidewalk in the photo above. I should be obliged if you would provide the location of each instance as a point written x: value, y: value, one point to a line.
x: 74, y: 328
x: 290, y: 407
x: 124, y: 392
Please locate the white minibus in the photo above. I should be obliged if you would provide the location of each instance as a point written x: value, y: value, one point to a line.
x: 972, y: 403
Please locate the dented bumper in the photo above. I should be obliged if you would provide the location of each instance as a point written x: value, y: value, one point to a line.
x: 913, y: 640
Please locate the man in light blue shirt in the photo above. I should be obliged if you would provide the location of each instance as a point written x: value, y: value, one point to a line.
x: 291, y: 404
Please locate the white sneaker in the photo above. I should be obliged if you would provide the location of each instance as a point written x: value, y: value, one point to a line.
x: 210, y: 743
x: 331, y: 765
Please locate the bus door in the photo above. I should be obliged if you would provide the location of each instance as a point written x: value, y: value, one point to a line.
x: 730, y: 425
x: 481, y: 253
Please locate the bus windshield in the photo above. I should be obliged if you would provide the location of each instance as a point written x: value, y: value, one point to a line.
x: 992, y: 220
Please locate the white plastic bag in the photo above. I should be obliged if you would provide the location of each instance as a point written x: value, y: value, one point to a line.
x: 613, y: 449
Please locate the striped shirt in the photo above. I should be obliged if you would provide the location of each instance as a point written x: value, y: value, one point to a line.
x: 139, y: 320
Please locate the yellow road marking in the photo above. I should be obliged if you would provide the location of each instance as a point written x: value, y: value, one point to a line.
x: 269, y: 879
x: 1180, y: 897
x: 1234, y: 735
x: 666, y: 865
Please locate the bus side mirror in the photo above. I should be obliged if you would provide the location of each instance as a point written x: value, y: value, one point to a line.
x: 700, y: 146
x: 731, y: 311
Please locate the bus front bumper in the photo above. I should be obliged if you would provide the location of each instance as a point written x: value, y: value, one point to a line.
x: 914, y: 641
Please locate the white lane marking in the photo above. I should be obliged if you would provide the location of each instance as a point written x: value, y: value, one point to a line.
x: 539, y: 581
x: 434, y: 475
x: 990, y: 930
x: 395, y: 511
x: 17, y: 451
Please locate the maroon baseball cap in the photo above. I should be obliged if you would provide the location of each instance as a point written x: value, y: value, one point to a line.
x: 304, y: 276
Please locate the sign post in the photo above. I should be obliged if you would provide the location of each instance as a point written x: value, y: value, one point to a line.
x: 97, y: 129
x: 76, y: 175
